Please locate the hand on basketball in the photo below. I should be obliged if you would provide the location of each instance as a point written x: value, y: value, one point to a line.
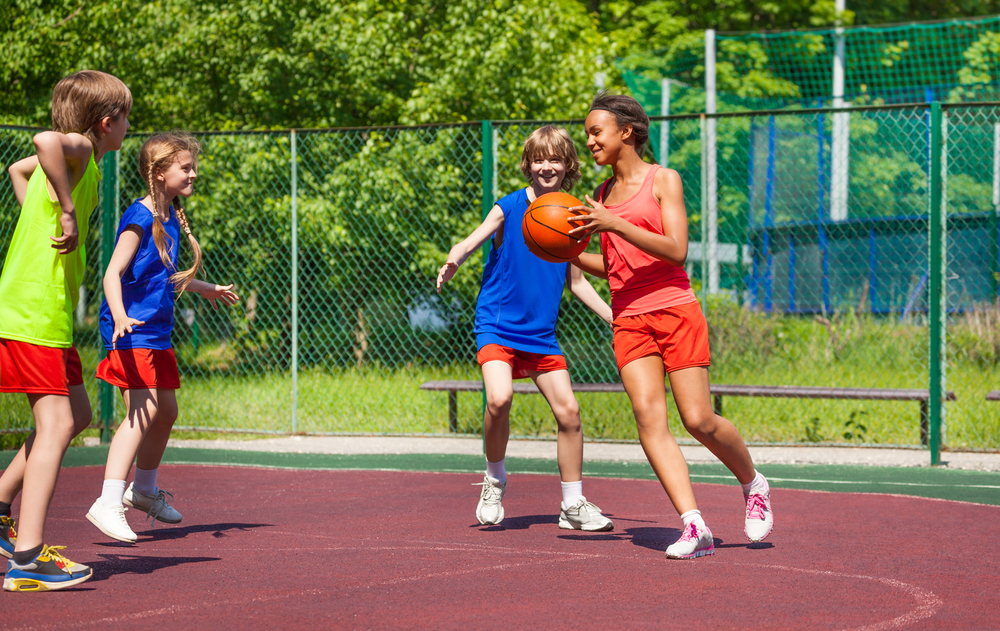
x: 220, y: 292
x: 123, y: 326
x: 597, y: 219
x: 445, y: 273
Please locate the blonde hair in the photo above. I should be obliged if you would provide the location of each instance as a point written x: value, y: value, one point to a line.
x: 158, y: 153
x: 82, y: 99
x: 551, y: 141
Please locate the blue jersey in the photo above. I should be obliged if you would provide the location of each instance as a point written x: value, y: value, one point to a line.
x: 519, y: 299
x: 147, y: 292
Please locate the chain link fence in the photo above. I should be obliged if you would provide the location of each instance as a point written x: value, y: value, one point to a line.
x: 811, y: 249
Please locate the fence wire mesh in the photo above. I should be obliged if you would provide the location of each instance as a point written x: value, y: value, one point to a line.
x: 818, y: 274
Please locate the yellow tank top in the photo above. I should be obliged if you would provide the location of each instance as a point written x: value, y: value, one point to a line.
x: 39, y: 287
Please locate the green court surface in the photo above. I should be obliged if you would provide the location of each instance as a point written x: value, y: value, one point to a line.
x: 981, y: 487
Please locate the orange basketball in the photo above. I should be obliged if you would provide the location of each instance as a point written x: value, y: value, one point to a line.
x: 546, y: 229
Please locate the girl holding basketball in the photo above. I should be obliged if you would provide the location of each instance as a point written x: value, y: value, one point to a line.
x: 659, y: 329
x: 137, y: 318
x: 515, y: 326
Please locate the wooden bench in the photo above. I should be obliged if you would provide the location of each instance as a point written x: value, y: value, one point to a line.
x: 993, y: 395
x: 718, y: 392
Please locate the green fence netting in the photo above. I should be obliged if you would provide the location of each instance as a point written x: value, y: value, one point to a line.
x: 815, y: 267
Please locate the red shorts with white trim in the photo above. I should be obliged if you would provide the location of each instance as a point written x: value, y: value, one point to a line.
x: 521, y: 362
x: 140, y: 368
x: 677, y: 334
x: 34, y: 369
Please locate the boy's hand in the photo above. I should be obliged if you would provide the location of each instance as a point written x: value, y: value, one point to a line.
x: 445, y: 273
x: 121, y: 326
x: 70, y: 236
x: 220, y: 292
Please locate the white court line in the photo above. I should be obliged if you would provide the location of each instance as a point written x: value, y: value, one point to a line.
x: 871, y: 482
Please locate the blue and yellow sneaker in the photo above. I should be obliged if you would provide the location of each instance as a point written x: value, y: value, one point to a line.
x: 47, y: 572
x: 8, y: 536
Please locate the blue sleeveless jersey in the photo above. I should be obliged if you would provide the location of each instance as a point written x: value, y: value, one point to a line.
x: 147, y: 293
x: 518, y: 302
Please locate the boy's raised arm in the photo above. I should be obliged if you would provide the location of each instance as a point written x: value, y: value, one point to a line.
x: 63, y: 158
x: 583, y: 290
x: 468, y: 245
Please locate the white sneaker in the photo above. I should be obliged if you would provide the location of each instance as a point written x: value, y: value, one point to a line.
x: 759, y: 518
x: 111, y: 521
x: 155, y: 506
x: 695, y: 542
x: 490, y: 509
x: 583, y: 515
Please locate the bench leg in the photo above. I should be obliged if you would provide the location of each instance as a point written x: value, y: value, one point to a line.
x: 453, y: 411
x: 717, y: 403
x: 924, y: 425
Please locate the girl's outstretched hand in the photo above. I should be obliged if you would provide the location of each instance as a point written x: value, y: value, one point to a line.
x: 123, y: 326
x: 596, y: 219
x: 220, y: 292
x: 445, y: 273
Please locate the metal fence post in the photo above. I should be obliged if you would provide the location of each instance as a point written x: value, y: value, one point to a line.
x: 489, y: 198
x: 704, y: 214
x: 938, y: 294
x: 109, y: 192
x: 295, y: 286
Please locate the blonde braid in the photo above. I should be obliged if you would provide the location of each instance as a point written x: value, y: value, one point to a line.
x: 160, y: 236
x: 182, y: 279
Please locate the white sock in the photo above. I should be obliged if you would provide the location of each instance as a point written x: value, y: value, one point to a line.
x: 145, y: 481
x: 112, y: 493
x: 693, y: 516
x: 496, y: 470
x: 758, y: 485
x: 571, y: 491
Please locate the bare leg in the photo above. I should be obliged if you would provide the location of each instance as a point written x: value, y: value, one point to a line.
x: 13, y: 475
x: 694, y: 403
x: 643, y: 380
x: 142, y: 410
x: 557, y: 388
x: 44, y: 452
x: 155, y: 442
x: 496, y: 421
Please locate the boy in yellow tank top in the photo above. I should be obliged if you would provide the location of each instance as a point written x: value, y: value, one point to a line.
x: 39, y: 287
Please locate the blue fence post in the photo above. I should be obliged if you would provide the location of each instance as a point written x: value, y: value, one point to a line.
x: 821, y: 216
x: 769, y: 214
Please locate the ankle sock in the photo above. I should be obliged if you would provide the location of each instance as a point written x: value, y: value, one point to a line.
x: 4, y: 509
x: 496, y: 470
x: 27, y: 556
x: 571, y: 492
x: 145, y: 481
x: 693, y: 516
x: 757, y: 485
x: 112, y: 493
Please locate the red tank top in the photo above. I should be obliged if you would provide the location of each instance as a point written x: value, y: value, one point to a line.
x: 641, y: 283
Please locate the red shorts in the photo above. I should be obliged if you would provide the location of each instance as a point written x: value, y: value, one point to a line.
x: 34, y: 369
x: 677, y: 334
x: 140, y: 368
x: 521, y: 362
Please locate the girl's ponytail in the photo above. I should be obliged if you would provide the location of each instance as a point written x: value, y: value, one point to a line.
x: 182, y: 279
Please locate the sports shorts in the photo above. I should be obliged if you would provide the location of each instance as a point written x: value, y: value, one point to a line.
x: 34, y: 369
x: 140, y: 368
x: 522, y: 363
x: 678, y: 334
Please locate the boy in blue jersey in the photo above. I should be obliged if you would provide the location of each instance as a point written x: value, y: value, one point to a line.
x: 515, y: 328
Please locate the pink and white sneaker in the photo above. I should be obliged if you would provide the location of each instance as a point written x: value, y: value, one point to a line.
x: 759, y: 518
x: 694, y: 542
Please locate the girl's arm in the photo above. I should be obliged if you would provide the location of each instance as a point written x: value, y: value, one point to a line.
x: 583, y: 290
x: 213, y: 292
x: 63, y: 158
x: 128, y: 245
x: 593, y: 264
x: 671, y: 246
x: 20, y: 172
x: 462, y: 250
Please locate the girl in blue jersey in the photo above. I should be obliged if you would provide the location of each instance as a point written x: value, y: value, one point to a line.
x: 515, y: 327
x: 137, y: 318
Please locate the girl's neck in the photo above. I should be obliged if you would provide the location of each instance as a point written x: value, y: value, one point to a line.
x: 629, y: 166
x: 162, y: 204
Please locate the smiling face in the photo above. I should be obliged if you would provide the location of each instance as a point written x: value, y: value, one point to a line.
x: 604, y: 138
x: 178, y: 178
x: 548, y: 172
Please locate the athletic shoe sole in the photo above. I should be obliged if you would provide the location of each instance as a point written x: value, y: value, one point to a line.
x: 704, y: 552
x: 94, y: 521
x: 6, y: 554
x: 35, y: 585
x: 131, y: 504
x: 566, y: 524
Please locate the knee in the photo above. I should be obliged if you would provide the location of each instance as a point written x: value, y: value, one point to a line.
x: 702, y: 423
x: 498, y: 400
x: 82, y: 419
x: 567, y: 415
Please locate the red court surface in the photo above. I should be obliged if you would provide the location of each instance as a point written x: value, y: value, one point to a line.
x: 263, y: 548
